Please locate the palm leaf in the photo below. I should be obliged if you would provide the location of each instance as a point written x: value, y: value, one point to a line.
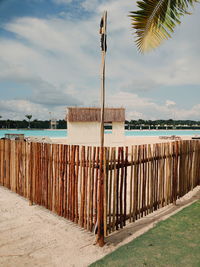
x: 156, y: 19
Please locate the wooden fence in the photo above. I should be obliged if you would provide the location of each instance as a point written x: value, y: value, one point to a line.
x: 103, y: 187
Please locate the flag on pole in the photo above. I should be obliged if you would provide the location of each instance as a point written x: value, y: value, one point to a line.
x: 103, y: 33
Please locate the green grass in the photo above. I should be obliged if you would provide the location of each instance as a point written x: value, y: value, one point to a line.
x: 174, y: 242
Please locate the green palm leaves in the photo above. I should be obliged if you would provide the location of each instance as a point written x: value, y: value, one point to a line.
x: 156, y: 19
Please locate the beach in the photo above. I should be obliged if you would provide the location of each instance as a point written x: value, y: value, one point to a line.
x: 128, y: 140
x: 33, y: 236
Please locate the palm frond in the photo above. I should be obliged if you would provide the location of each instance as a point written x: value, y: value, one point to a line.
x: 156, y: 19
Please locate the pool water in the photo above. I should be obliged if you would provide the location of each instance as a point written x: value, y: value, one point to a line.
x: 49, y: 133
x: 161, y: 132
x: 63, y: 133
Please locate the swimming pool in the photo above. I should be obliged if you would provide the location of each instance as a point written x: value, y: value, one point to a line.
x: 63, y: 133
x: 49, y: 133
x: 161, y: 132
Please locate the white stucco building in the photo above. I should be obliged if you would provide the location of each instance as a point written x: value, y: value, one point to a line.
x: 83, y: 126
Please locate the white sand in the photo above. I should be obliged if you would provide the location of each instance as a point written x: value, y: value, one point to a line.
x: 33, y: 236
x: 130, y: 140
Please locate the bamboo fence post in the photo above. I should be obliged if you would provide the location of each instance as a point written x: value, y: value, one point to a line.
x: 114, y: 190
x: 105, y: 195
x: 96, y: 185
x: 136, y: 182
x: 62, y: 175
x: 121, y: 188
x: 86, y: 189
x: 73, y: 177
x: 117, y: 190
x: 76, y: 185
x: 143, y: 180
x: 139, y: 180
x: 100, y: 211
x: 148, y: 180
x: 92, y: 189
x: 110, y: 186
x: 89, y: 190
x: 66, y: 179
x: 131, y: 187
x: 82, y: 187
x: 125, y: 185
x: 30, y: 161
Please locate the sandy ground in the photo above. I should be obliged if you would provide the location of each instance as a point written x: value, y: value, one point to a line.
x: 129, y: 140
x: 33, y: 236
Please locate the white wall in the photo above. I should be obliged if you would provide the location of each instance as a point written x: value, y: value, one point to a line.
x: 83, y: 132
x: 118, y: 132
x: 88, y: 133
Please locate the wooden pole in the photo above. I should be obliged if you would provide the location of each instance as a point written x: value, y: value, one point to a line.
x: 103, y: 55
x: 101, y: 233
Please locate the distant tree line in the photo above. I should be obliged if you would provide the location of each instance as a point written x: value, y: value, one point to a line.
x: 162, y: 124
x: 35, y: 124
x: 132, y: 124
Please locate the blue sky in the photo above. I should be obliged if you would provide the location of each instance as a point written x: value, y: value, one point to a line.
x: 50, y: 59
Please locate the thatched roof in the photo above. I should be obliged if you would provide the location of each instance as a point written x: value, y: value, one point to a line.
x: 76, y: 114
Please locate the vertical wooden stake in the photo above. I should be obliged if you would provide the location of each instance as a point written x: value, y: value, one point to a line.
x: 103, y: 36
x: 100, y: 207
x: 101, y: 233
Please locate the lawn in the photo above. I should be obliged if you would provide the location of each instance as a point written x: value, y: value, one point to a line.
x: 174, y: 242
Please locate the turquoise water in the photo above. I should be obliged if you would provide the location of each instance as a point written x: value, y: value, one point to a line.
x: 49, y: 133
x: 63, y: 133
x: 161, y: 132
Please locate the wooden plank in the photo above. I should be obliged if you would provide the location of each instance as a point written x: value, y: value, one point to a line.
x: 97, y: 173
x: 62, y: 179
x: 92, y: 212
x: 83, y: 188
x: 139, y: 181
x: 100, y: 210
x: 105, y: 193
x: 66, y: 180
x: 136, y: 178
x: 121, y: 189
x: 125, y: 185
x: 114, y: 190
x: 131, y: 188
x: 117, y: 191
x: 76, y: 186
x: 89, y: 189
x: 86, y: 188
x: 111, y: 159
x: 145, y: 206
x: 73, y: 178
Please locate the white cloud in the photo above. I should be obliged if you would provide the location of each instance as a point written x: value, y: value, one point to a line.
x: 145, y: 108
x: 170, y: 103
x: 134, y: 104
x: 48, y: 95
x: 60, y: 61
x: 139, y: 85
x: 134, y: 115
x: 90, y: 5
x: 193, y: 113
x: 17, y: 109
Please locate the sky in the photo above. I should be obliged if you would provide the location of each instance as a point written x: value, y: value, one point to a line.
x: 50, y: 58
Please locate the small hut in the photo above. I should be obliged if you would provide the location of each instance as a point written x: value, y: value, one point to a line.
x: 83, y: 125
